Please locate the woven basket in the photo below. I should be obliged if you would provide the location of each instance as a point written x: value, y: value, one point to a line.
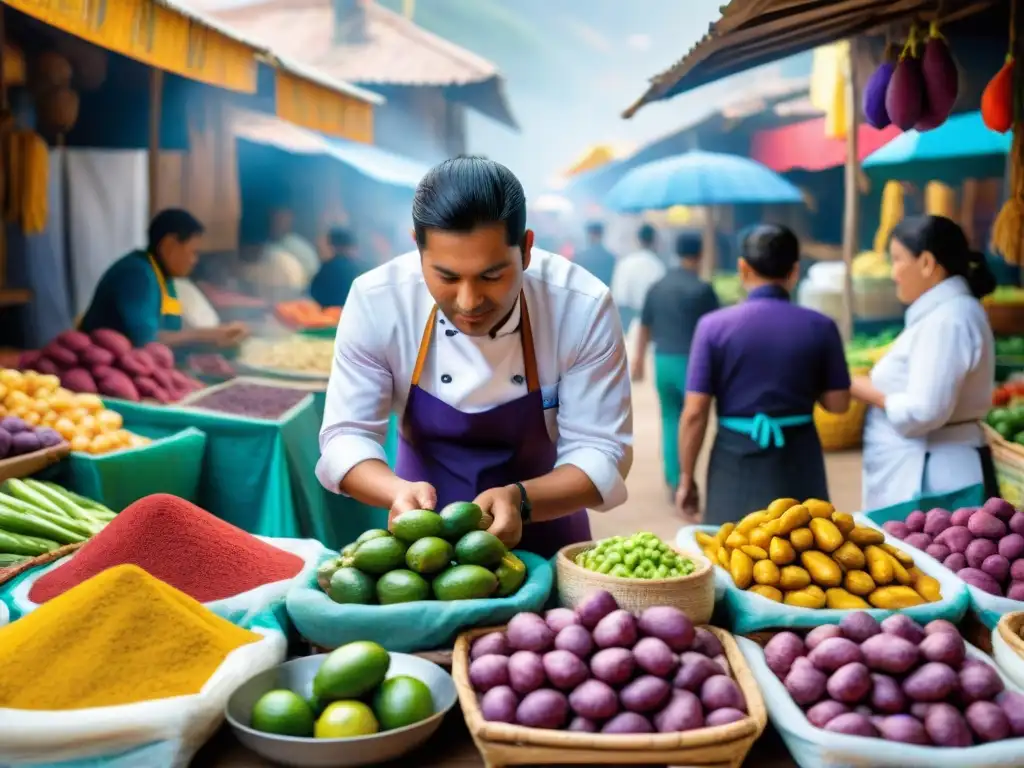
x: 501, y: 744
x: 1009, y: 460
x: 6, y: 574
x: 841, y: 431
x: 1005, y: 319
x: 1010, y: 627
x: 694, y: 595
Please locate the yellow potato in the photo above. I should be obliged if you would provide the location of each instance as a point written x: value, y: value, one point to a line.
x: 805, y: 598
x: 894, y: 598
x: 844, y: 522
x: 723, y: 557
x: 751, y: 521
x: 863, y: 536
x: 859, y: 583
x: 781, y: 551
x: 724, y: 531
x: 3, y: 390
x: 777, y: 507
x: 880, y: 565
x: 91, y: 403
x: 101, y: 444
x: 819, y: 508
x: 80, y: 443
x: 766, y: 591
x: 49, y: 381
x: 111, y: 420
x: 735, y: 540
x: 827, y: 536
x: 794, y: 577
x: 842, y: 600
x: 759, y: 537
x: 850, y: 556
x: 802, y: 539
x: 756, y: 553
x: 704, y: 539
x: 766, y: 572
x: 793, y: 518
x: 32, y: 418
x: 902, y: 557
x: 823, y: 569
x: 929, y: 588
x: 12, y: 379
x: 741, y: 568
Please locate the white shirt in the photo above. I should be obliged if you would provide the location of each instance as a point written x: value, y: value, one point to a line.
x: 937, y: 378
x: 581, y: 363
x: 634, y: 276
x: 196, y: 309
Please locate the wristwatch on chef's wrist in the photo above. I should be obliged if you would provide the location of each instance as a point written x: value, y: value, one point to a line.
x: 525, y: 507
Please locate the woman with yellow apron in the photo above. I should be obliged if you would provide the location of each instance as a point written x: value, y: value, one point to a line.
x: 136, y: 295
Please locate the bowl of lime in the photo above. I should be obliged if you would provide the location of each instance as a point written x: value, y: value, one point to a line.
x: 358, y: 705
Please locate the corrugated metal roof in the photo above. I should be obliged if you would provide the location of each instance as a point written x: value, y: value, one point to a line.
x: 396, y: 51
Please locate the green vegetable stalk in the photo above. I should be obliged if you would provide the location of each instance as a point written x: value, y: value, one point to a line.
x: 15, y: 544
x: 68, y: 524
x: 31, y: 525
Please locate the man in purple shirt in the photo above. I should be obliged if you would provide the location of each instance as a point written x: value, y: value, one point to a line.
x: 766, y: 363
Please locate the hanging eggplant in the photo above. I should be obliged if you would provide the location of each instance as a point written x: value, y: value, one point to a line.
x: 873, y: 101
x: 905, y: 96
x: 941, y: 81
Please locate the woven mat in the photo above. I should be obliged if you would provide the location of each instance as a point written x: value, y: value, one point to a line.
x: 6, y: 574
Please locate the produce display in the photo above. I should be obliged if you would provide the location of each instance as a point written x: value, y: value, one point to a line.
x: 811, y: 556
x: 104, y: 362
x: 242, y: 398
x: 106, y: 643
x: 1007, y: 417
x: 600, y: 669
x: 306, y: 313
x: 225, y: 299
x: 32, y: 399
x: 1005, y: 294
x: 863, y: 351
x: 297, y: 354
x: 426, y: 555
x: 1010, y: 346
x: 728, y: 288
x: 175, y: 541
x: 984, y: 546
x: 210, y: 365
x: 352, y: 696
x: 640, y: 556
x: 897, y: 681
x: 872, y: 265
x: 37, y: 517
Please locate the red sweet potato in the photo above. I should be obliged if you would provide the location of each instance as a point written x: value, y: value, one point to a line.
x: 44, y: 365
x: 93, y: 355
x: 102, y: 371
x: 78, y: 380
x: 134, y: 364
x: 27, y: 360
x: 60, y: 355
x: 149, y: 388
x: 117, y: 384
x: 161, y: 354
x: 112, y: 340
x: 163, y: 379
x: 76, y: 341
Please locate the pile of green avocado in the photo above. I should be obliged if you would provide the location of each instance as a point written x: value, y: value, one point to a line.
x: 426, y: 555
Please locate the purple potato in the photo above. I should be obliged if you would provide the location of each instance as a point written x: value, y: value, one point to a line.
x: 956, y: 562
x: 1012, y: 704
x: 903, y: 626
x: 1016, y: 590
x: 859, y: 626
x: 986, y: 525
x: 614, y: 666
x: 13, y: 425
x: 980, y: 580
x: 560, y: 618
x: 936, y: 521
x: 670, y: 625
x: 694, y: 669
x: 956, y: 537
x: 939, y: 551
x: 915, y: 521
x: 595, y: 607
x: 996, y: 566
x: 944, y: 647
x: 616, y: 630
x: 999, y: 508
x: 919, y: 540
x: 906, y: 729
x: 499, y: 705
x: 946, y: 727
x: 820, y: 634
x: 1016, y: 523
x: 1011, y: 546
x: 543, y: 709
x: 582, y: 725
x: 565, y: 670
x: 575, y: 639
x: 920, y: 709
x: 721, y: 692
x: 805, y: 684
x: 724, y: 717
x: 823, y: 711
x: 529, y: 632
x: 594, y: 700
x: 645, y: 694
x: 628, y: 722
x: 940, y: 625
x: 850, y: 683
x: 978, y: 550
x: 979, y: 682
x: 493, y: 643
x: 886, y: 695
x: 682, y: 713
x: 833, y: 653
x: 5, y: 443
x: 706, y: 642
x: 48, y: 437
x: 782, y: 650
x: 654, y: 656
x: 1017, y: 570
x: 889, y: 653
x: 931, y: 682
x: 526, y: 671
x: 962, y: 515
x: 723, y: 664
x: 488, y: 672
x: 988, y: 721
x: 851, y: 724
x: 896, y: 528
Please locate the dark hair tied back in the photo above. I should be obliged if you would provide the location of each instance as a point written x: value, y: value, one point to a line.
x: 945, y: 240
x: 771, y: 250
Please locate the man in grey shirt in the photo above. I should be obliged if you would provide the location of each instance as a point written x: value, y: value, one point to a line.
x: 595, y: 258
x: 669, y: 319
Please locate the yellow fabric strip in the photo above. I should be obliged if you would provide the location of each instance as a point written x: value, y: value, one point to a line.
x: 152, y: 34
x: 168, y: 304
x: 312, y: 106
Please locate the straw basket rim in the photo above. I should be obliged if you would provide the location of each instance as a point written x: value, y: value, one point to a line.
x: 998, y: 443
x: 749, y: 728
x: 13, y: 571
x: 1009, y: 628
x: 565, y: 559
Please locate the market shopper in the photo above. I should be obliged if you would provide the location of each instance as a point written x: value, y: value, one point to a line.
x: 764, y: 363
x: 334, y: 280
x: 137, y: 295
x: 931, y: 391
x: 596, y: 258
x: 669, y: 318
x: 506, y: 364
x: 635, y: 274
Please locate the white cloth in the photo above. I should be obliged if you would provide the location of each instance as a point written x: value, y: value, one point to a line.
x: 581, y: 363
x: 303, y: 250
x: 196, y: 309
x: 937, y: 378
x: 634, y: 276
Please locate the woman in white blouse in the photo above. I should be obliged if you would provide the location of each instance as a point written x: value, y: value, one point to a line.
x: 934, y: 386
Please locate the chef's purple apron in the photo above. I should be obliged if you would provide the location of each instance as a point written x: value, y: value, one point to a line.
x: 464, y: 454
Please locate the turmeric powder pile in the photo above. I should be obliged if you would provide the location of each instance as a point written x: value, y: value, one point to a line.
x: 121, y: 637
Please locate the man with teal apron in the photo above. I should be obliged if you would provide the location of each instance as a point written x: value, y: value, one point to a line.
x: 506, y: 365
x: 765, y: 363
x: 136, y: 295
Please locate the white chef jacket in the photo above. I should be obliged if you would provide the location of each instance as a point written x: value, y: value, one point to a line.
x: 634, y: 276
x: 581, y: 364
x: 938, y: 378
x: 196, y: 309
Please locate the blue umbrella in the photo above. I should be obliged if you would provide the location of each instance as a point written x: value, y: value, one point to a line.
x: 699, y: 178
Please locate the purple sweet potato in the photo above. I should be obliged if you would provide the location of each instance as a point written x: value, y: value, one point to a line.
x: 945, y: 647
x: 986, y: 525
x: 978, y: 550
x: 595, y: 607
x: 886, y: 695
x: 24, y: 442
x: 997, y: 566
x: 694, y: 669
x: 618, y: 629
x: 526, y: 672
x: 14, y: 424
x: 939, y: 551
x: 48, y: 437
x: 565, y: 670
x: 76, y: 341
x: 833, y: 653
x: 946, y: 727
x: 529, y: 632
x: 919, y: 540
x: 628, y: 722
x: 781, y: 651
x: 724, y: 717
x: 150, y: 389
x: 823, y: 711
x: 850, y: 683
x: 543, y: 709
x: 1016, y: 523
x: 683, y: 712
x: 889, y: 653
x: 821, y: 633
x: 988, y: 721
x: 117, y: 384
x: 962, y: 515
x: 582, y: 725
x: 896, y: 528
x: 668, y: 624
x: 936, y: 521
x: 492, y: 642
x: 905, y: 729
x: 851, y: 724
x: 956, y: 537
x: 859, y: 626
x: 1016, y: 590
x: 956, y: 562
x: 648, y: 693
x: 1000, y: 508
x: 979, y: 682
x: 655, y: 657
x: 134, y: 364
x: 79, y: 380
x: 45, y: 365
x: 931, y: 682
x: 595, y: 700
x: 615, y: 666
x: 575, y: 639
x: 112, y: 340
x: 705, y: 642
x: 6, y: 440
x: 488, y: 672
x: 61, y: 355
x: 1011, y: 546
x: 559, y: 618
x: 940, y: 625
x: 720, y: 692
x: 1012, y: 704
x: 805, y: 684
x: 499, y: 704
x: 915, y: 521
x: 980, y: 580
x: 903, y: 626
x: 1017, y: 570
x: 93, y: 355
x: 161, y: 354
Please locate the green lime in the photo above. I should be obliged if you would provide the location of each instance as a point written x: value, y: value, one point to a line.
x: 402, y: 586
x: 373, y: 533
x: 284, y: 713
x: 351, y: 671
x: 345, y: 720
x: 429, y: 555
x: 511, y: 575
x: 350, y: 585
x: 465, y: 582
x: 417, y: 524
x: 460, y: 517
x: 480, y: 548
x: 379, y: 555
x: 402, y: 701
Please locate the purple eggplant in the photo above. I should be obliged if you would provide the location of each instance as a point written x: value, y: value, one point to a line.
x: 941, y: 81
x: 873, y: 102
x: 904, y: 98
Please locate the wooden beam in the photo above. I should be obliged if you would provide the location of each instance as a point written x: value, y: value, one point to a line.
x: 851, y: 189
x: 156, y: 93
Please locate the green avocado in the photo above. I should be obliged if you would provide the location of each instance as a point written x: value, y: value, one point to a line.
x: 465, y: 582
x: 429, y: 555
x: 460, y: 517
x: 511, y: 573
x: 480, y: 548
x: 373, y: 533
x: 351, y: 671
x: 402, y: 586
x: 380, y: 555
x: 416, y: 524
x: 350, y: 585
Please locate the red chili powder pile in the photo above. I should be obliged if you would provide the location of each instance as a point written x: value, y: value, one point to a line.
x: 180, y: 544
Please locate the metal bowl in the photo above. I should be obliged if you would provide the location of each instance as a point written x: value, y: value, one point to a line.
x: 297, y: 675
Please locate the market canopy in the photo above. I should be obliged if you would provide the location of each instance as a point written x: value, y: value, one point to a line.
x: 962, y: 147
x: 174, y: 38
x: 805, y: 147
x: 755, y: 32
x: 370, y: 161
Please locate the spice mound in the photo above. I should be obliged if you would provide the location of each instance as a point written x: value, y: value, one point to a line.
x: 180, y: 544
x: 119, y: 638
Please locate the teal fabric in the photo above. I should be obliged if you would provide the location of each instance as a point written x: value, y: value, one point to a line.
x: 260, y: 474
x: 409, y: 627
x: 172, y: 463
x: 766, y: 431
x: 670, y: 382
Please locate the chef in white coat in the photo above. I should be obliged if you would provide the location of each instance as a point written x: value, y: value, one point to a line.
x: 931, y: 391
x: 505, y: 363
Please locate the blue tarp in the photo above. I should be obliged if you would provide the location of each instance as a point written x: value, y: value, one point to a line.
x: 379, y: 164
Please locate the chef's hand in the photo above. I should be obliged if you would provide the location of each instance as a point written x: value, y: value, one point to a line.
x: 688, y: 501
x: 637, y: 369
x: 412, y: 496
x: 230, y: 335
x: 502, y: 504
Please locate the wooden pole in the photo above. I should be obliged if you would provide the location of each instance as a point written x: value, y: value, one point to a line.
x: 156, y: 92
x: 851, y: 205
x: 3, y: 160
